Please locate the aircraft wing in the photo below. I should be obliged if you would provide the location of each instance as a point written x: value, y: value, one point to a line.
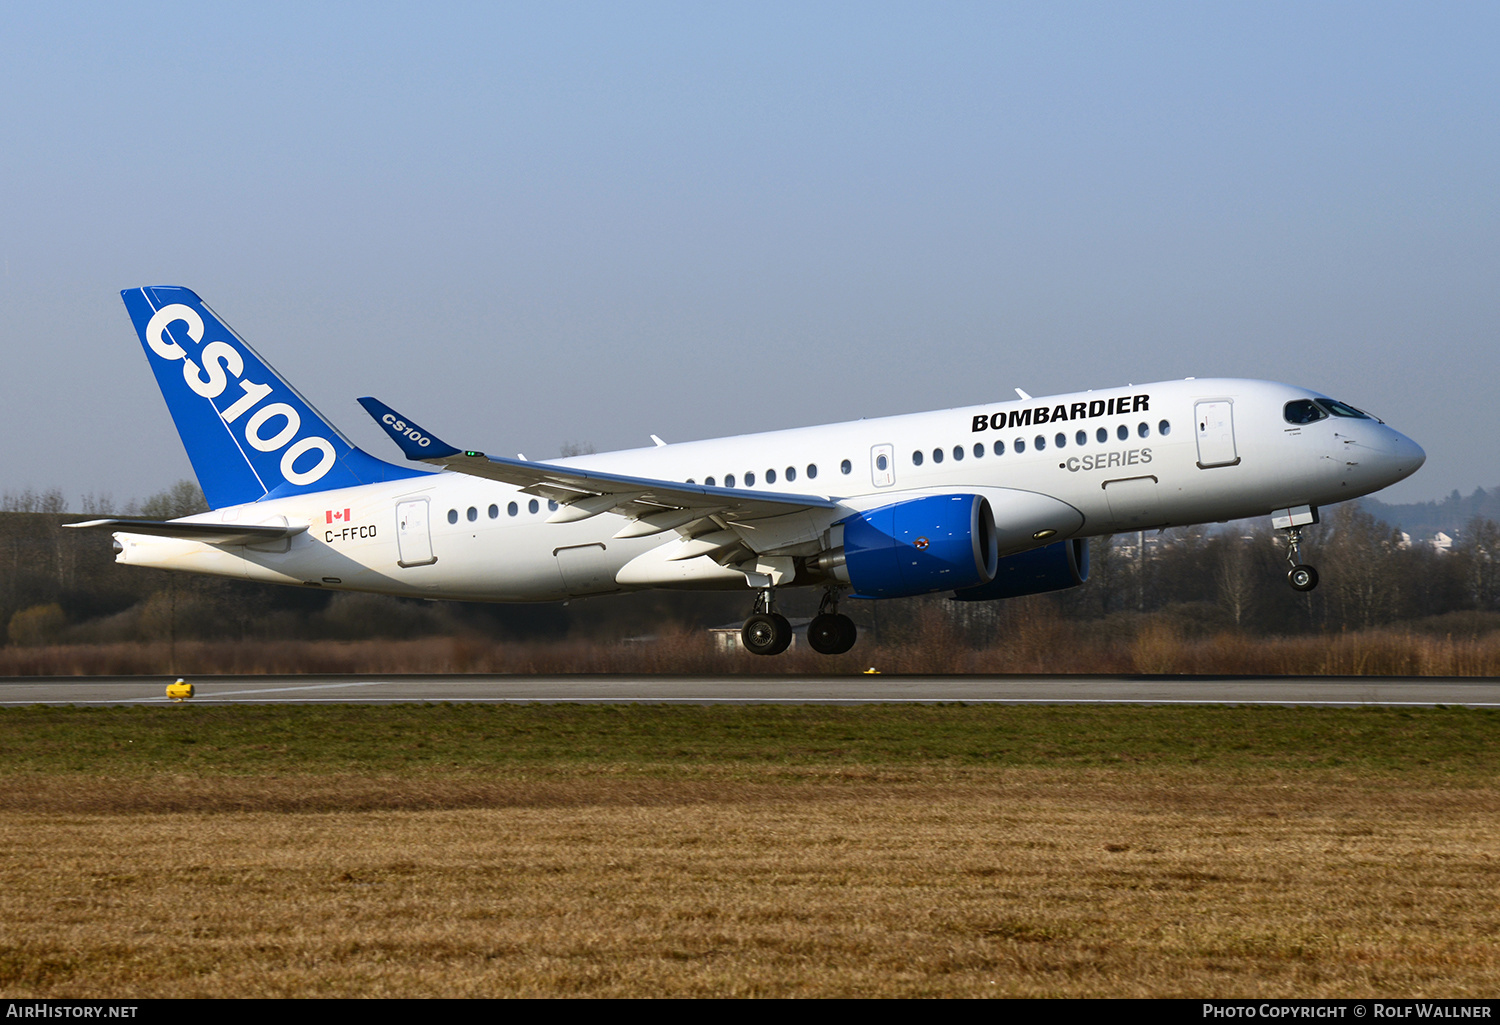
x: 208, y: 533
x: 653, y: 506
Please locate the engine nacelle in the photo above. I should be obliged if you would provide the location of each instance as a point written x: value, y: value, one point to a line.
x: 934, y: 543
x: 1053, y: 568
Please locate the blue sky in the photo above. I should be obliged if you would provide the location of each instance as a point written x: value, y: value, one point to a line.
x: 527, y: 225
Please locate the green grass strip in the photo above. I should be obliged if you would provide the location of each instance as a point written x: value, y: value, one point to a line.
x: 325, y: 739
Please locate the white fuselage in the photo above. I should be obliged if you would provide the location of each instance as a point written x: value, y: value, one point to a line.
x: 1192, y: 451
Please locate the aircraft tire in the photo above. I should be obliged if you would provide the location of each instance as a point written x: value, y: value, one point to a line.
x: 766, y: 634
x: 1302, y: 578
x: 830, y: 634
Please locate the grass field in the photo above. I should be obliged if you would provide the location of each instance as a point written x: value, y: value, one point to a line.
x: 777, y: 851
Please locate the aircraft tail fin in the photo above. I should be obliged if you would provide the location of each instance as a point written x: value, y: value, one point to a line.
x: 249, y: 434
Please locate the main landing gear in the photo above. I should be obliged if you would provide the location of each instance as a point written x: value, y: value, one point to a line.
x: 831, y: 633
x: 1301, y: 576
x: 767, y: 632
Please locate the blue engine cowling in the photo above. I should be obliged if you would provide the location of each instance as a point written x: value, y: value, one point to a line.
x: 936, y: 543
x: 1053, y: 568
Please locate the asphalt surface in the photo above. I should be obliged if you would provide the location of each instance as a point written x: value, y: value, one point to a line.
x: 1474, y: 692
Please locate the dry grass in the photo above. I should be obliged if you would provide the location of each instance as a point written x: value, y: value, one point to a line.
x: 848, y: 881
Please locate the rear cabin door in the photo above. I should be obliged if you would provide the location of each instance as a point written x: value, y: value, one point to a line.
x: 413, y: 536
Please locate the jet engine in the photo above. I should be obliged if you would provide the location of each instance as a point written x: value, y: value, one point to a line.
x: 933, y: 543
x: 1052, y: 568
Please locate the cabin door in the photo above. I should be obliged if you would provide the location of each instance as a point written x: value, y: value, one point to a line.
x: 413, y: 536
x: 1215, y: 424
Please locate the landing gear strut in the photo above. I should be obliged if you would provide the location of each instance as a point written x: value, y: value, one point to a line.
x: 767, y: 631
x: 1301, y: 576
x: 831, y: 633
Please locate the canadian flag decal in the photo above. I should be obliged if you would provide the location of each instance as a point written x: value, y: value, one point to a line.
x: 335, y: 515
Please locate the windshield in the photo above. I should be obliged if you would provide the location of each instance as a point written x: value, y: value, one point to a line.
x: 1338, y: 408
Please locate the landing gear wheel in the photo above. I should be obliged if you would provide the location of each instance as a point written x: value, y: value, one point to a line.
x: 1302, y: 578
x: 766, y: 633
x: 831, y: 634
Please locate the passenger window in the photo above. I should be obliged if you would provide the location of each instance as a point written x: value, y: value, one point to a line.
x: 1101, y: 435
x: 750, y: 480
x: 1041, y: 442
x: 958, y: 452
x: 708, y: 482
x: 551, y: 505
x: 1020, y: 445
x: 1144, y: 430
x: 494, y: 512
x: 916, y: 458
x: 978, y: 450
x: 1061, y: 441
x: 937, y: 455
x: 791, y: 474
x: 1081, y: 438
x: 1122, y: 432
x: 812, y: 470
x: 452, y: 515
x: 532, y: 505
x: 999, y: 448
x: 846, y: 467
x: 1164, y: 428
x: 729, y: 480
x: 473, y: 514
x: 881, y: 462
x: 512, y: 508
x: 770, y: 476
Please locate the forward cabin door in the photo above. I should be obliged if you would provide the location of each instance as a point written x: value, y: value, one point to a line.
x: 1215, y: 423
x: 413, y: 536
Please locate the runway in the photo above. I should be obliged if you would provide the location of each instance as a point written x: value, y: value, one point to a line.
x: 1471, y: 692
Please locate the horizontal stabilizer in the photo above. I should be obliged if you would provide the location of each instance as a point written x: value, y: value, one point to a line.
x: 207, y: 533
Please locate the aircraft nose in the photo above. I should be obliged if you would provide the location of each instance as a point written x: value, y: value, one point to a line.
x: 1410, y: 451
x: 1405, y: 456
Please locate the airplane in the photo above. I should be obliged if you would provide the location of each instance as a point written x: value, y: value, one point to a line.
x: 986, y: 502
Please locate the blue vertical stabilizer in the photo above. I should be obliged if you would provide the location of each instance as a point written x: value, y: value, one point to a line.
x: 250, y: 434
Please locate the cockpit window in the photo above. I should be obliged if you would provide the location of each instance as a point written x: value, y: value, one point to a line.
x: 1340, y: 409
x: 1303, y: 411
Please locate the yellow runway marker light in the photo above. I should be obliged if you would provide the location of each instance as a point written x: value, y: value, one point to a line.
x: 179, y: 690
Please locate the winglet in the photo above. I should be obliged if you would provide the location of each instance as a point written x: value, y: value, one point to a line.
x: 411, y: 439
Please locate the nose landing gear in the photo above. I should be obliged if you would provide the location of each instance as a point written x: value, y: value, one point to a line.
x: 1301, y: 576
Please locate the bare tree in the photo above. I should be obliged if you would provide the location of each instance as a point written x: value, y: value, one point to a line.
x: 1480, y: 549
x: 1360, y: 559
x: 49, y: 501
x: 182, y: 499
x: 1236, y: 577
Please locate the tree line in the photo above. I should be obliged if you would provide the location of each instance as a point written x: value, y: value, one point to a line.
x: 62, y: 586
